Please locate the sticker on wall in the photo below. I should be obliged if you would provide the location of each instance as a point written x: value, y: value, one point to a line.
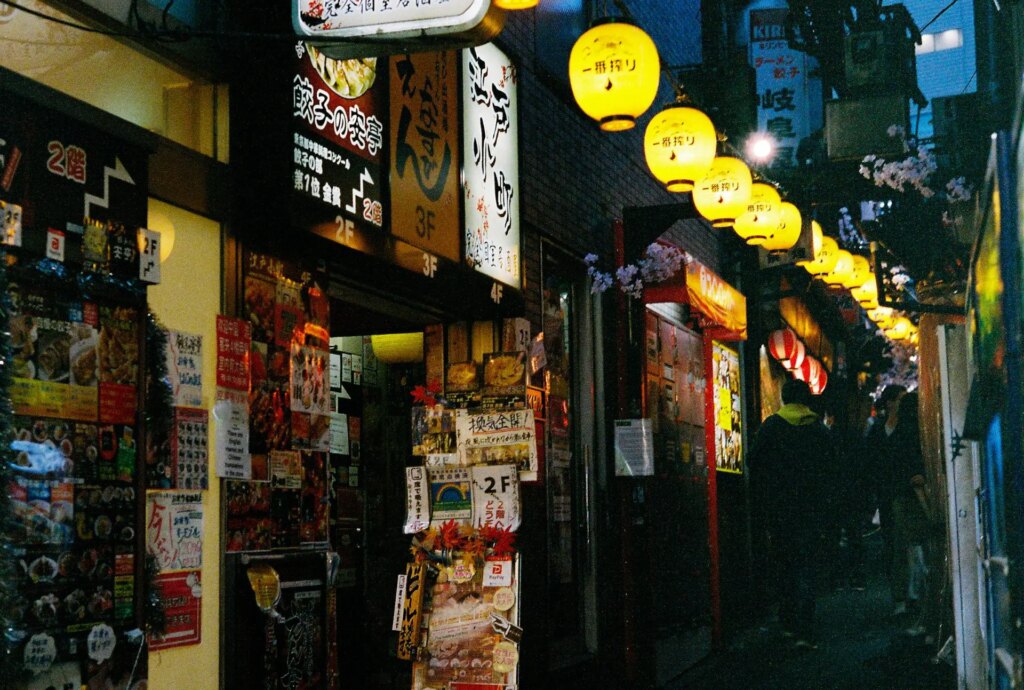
x: 451, y: 494
x: 496, y: 497
x: 417, y: 500
x: 40, y: 653
x: 101, y: 642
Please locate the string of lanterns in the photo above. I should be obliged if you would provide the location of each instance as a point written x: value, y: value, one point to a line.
x: 791, y: 353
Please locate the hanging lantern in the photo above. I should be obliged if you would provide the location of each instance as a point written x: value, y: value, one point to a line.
x: 723, y: 193
x: 818, y: 384
x: 808, y: 371
x: 761, y: 216
x: 679, y: 146
x: 785, y: 347
x: 840, y: 273
x: 788, y: 230
x: 900, y: 329
x: 614, y: 71
x: 859, y: 274
x: 826, y: 258
x: 884, y: 317
x: 515, y: 4
x: 816, y: 240
x: 866, y: 294
x: 398, y: 348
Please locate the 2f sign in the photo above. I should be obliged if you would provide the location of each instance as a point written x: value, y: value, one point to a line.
x: 491, y: 484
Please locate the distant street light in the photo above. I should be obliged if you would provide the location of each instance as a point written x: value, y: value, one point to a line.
x: 761, y: 148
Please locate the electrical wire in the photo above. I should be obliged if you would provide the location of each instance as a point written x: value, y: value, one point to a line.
x: 941, y: 12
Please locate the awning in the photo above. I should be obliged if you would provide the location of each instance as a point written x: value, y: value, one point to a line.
x: 720, y: 309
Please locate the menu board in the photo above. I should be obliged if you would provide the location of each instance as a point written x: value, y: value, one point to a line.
x: 491, y: 165
x: 728, y: 437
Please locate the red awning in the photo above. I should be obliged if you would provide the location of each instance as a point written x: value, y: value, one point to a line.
x: 720, y: 309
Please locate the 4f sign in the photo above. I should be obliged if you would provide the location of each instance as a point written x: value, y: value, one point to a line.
x: 381, y: 25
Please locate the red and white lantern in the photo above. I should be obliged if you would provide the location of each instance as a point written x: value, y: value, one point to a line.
x: 818, y: 385
x: 786, y: 348
x: 808, y: 371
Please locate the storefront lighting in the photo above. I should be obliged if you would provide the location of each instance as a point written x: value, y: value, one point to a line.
x: 614, y: 71
x: 785, y: 346
x: 723, y: 193
x: 861, y: 272
x: 826, y: 258
x: 398, y: 348
x: 816, y: 239
x: 787, y: 231
x: 679, y: 145
x: 515, y: 4
x: 841, y: 272
x: 761, y: 216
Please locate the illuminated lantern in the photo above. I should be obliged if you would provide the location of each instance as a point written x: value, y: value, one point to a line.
x: 900, y: 329
x: 816, y: 240
x: 840, y: 273
x: 786, y: 348
x: 723, y: 193
x: 826, y: 258
x: 819, y: 383
x: 679, y: 146
x: 614, y: 71
x: 787, y: 231
x: 860, y: 273
x: 808, y: 371
x: 398, y: 348
x: 761, y: 216
x: 884, y: 317
x: 515, y: 4
x: 866, y: 294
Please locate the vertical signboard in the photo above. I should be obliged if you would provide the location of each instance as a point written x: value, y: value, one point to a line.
x: 728, y: 419
x: 491, y: 163
x: 782, y: 84
x: 338, y: 141
x: 425, y: 148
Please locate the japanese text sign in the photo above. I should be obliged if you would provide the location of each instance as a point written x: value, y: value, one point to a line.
x: 174, y: 529
x: 499, y: 438
x: 185, y: 368
x: 496, y: 497
x: 233, y: 342
x: 181, y: 596
x: 491, y: 171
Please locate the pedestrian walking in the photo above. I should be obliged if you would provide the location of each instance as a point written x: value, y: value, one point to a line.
x: 790, y: 463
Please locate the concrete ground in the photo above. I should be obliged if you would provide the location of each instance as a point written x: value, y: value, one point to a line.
x: 860, y: 645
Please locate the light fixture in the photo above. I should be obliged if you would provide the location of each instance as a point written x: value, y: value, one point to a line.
x: 723, y: 193
x: 679, y: 145
x: 761, y: 216
x: 860, y: 273
x: 826, y: 259
x: 398, y: 348
x: 614, y: 71
x: 816, y: 239
x: 515, y: 4
x: 760, y: 147
x: 884, y: 317
x: 867, y: 294
x: 840, y: 273
x: 900, y: 329
x: 787, y: 231
x: 785, y: 347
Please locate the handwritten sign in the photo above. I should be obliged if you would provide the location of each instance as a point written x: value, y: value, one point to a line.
x: 101, y: 642
x: 185, y: 368
x: 174, y: 529
x: 499, y: 438
x: 496, y: 497
x: 40, y: 652
x: 233, y: 342
x: 232, y: 440
x: 417, y: 500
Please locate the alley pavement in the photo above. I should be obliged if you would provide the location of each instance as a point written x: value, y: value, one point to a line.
x: 860, y: 645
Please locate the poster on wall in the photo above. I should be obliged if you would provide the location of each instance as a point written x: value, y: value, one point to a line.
x: 189, y: 453
x: 499, y: 438
x: 185, y: 368
x: 491, y: 164
x: 174, y: 529
x: 182, y: 597
x: 728, y: 432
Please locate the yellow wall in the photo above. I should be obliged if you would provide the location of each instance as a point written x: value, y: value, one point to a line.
x: 188, y: 299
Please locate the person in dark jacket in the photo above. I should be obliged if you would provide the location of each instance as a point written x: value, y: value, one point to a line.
x: 790, y: 463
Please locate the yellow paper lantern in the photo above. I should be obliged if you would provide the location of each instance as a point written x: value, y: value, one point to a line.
x: 900, y: 329
x: 884, y: 317
x: 515, y: 4
x: 679, y: 145
x: 866, y: 294
x: 816, y: 239
x: 860, y: 273
x: 787, y: 231
x: 841, y: 272
x: 398, y: 348
x: 826, y: 258
x: 723, y: 193
x: 761, y: 216
x: 614, y: 71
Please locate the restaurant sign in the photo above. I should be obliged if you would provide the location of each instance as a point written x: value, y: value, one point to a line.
x: 721, y: 309
x: 381, y: 24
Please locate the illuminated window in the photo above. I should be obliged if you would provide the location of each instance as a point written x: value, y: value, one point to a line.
x: 943, y: 40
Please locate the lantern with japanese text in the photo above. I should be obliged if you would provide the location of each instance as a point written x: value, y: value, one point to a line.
x: 679, y: 145
x: 614, y: 71
x: 816, y: 240
x: 761, y: 216
x: 723, y: 193
x: 826, y: 259
x: 786, y: 348
x: 859, y: 274
x: 787, y: 232
x: 840, y: 273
